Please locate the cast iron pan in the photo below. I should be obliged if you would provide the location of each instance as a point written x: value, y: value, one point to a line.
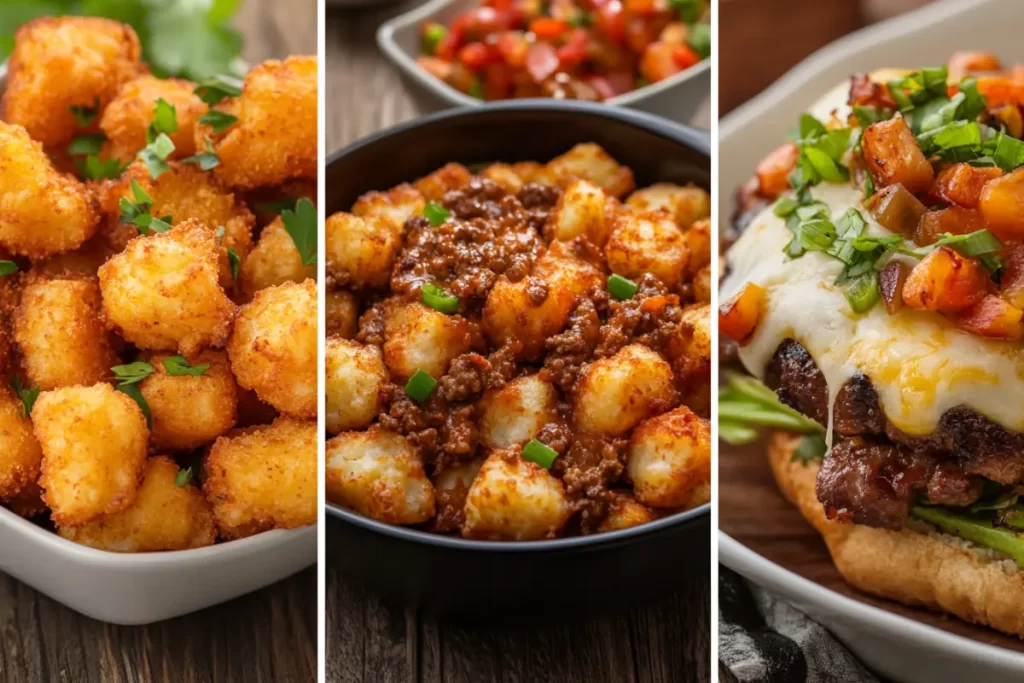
x: 583, y: 575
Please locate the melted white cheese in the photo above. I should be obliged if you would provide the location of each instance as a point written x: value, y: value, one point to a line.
x: 919, y: 363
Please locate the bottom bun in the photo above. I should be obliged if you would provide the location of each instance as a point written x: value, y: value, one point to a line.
x: 919, y: 566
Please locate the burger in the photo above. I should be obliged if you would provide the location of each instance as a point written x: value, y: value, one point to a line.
x: 873, y: 286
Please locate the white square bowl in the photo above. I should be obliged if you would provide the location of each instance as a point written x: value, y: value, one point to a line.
x: 897, y: 647
x: 142, y: 588
x: 677, y: 98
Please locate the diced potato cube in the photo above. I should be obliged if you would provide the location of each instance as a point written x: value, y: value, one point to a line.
x: 686, y: 204
x: 505, y: 176
x: 698, y: 238
x: 354, y: 377
x: 614, y: 394
x: 515, y: 413
x: 738, y: 317
x: 1011, y: 283
x: 588, y: 161
x: 443, y: 180
x: 624, y: 512
x: 670, y: 460
x: 952, y: 219
x: 648, y: 243
x: 961, y: 184
x: 395, y: 206
x: 360, y: 250
x: 580, y: 211
x: 1002, y: 205
x: 342, y: 314
x: 894, y: 156
x: 526, y: 313
x: 945, y: 281
x: 992, y: 317
x: 420, y: 338
x: 773, y: 171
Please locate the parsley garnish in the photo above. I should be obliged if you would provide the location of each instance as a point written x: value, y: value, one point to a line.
x: 213, y: 90
x: 207, y: 160
x: 132, y: 373
x: 179, y: 365
x: 236, y: 262
x: 87, y: 144
x: 95, y: 168
x: 133, y: 392
x: 301, y: 225
x: 137, y: 213
x: 85, y: 116
x: 154, y: 155
x: 218, y: 120
x: 821, y: 151
x: 8, y: 267
x: 165, y: 120
x: 279, y: 207
x: 26, y: 395
x: 183, y: 477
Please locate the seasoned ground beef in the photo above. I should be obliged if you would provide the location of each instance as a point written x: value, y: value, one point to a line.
x: 569, y: 352
x: 537, y: 201
x: 468, y: 377
x: 588, y: 468
x: 652, y: 318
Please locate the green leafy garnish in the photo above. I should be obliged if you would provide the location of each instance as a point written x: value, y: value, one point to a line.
x: 301, y: 224
x: 918, y: 88
x: 436, y: 297
x: 436, y: 213
x: 179, y: 365
x: 87, y: 144
x: 214, y: 90
x: 183, y: 477
x: 699, y: 38
x: 235, y: 262
x: 279, y: 207
x: 207, y: 160
x: 433, y: 33
x: 540, y: 454
x: 154, y: 155
x: 420, y: 386
x: 165, y: 120
x: 27, y: 396
x: 218, y: 120
x: 821, y: 153
x: 137, y: 213
x: 689, y: 10
x: 132, y: 372
x: 85, y: 116
x: 133, y: 392
x: 93, y: 168
x: 8, y: 267
x: 745, y: 404
x: 811, y: 447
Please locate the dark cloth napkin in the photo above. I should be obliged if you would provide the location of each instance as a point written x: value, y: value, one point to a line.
x: 763, y: 639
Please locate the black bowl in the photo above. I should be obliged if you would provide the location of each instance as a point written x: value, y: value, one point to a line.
x: 588, y: 574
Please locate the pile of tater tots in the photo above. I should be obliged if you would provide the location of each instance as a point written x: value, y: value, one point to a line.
x: 158, y: 332
x: 520, y: 351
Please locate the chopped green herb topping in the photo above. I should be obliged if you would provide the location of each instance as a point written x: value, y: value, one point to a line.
x: 301, y: 224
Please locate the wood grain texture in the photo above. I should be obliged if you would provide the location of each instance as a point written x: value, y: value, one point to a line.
x: 266, y: 637
x: 370, y: 642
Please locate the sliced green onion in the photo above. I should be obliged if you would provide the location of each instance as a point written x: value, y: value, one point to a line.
x: 736, y: 433
x: 863, y: 292
x: 540, y: 454
x: 621, y: 288
x: 784, y: 207
x: 974, y: 244
x: 435, y: 213
x: 811, y: 447
x: 420, y: 386
x: 433, y: 33
x: 438, y: 299
x: 699, y: 38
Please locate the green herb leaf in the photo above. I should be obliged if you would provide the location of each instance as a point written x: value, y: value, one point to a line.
x: 154, y: 155
x: 27, y: 396
x: 135, y: 393
x: 165, y: 120
x: 235, y: 262
x: 301, y: 224
x: 85, y: 116
x: 93, y: 168
x: 183, y: 477
x: 811, y: 447
x: 699, y: 38
x: 132, y: 372
x: 279, y: 207
x: 179, y: 365
x: 218, y: 120
x: 867, y: 116
x: 207, y: 160
x: 87, y: 144
x: 744, y: 403
x: 8, y: 267
x: 137, y: 213
x: 919, y: 87
x: 189, y: 38
x: 435, y: 213
x: 213, y: 90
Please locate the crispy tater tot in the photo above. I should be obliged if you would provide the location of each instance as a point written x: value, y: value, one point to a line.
x: 419, y: 338
x: 190, y: 410
x: 354, y: 377
x: 670, y: 460
x: 162, y: 292
x: 273, y: 347
x: 360, y: 250
x: 648, y: 243
x: 61, y: 334
x: 20, y: 455
x: 273, y: 261
x: 129, y: 114
x: 377, y: 473
x: 686, y: 204
x: 624, y: 512
x: 515, y: 413
x: 590, y: 162
x: 513, y: 499
x: 396, y: 205
x: 342, y: 314
x: 444, y: 179
x: 164, y: 516
x: 275, y: 137
x: 264, y: 478
x: 42, y: 212
x: 614, y: 394
x: 62, y: 63
x: 94, y: 448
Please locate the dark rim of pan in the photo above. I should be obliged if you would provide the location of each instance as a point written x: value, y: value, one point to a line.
x: 678, y: 133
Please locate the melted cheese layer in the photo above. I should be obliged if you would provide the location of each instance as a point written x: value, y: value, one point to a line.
x: 919, y: 363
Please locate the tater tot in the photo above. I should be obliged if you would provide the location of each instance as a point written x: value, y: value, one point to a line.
x: 513, y: 499
x: 562, y: 267
x: 625, y: 512
x: 588, y: 161
x: 702, y: 285
x: 273, y: 261
x: 686, y: 204
x: 378, y: 474
x: 614, y: 394
x: 265, y: 478
x: 273, y: 347
x: 342, y: 314
x: 189, y: 411
x: 505, y: 176
x: 395, y: 206
x: 698, y: 240
x: 354, y: 377
x: 164, y: 516
x: 582, y: 210
x: 360, y: 251
x: 275, y: 137
x: 670, y: 460
x: 451, y: 487
x: 648, y: 243
x: 515, y: 413
x: 94, y: 448
x: 130, y: 113
x: 20, y: 455
x: 515, y: 312
x: 60, y: 63
x: 417, y: 337
x: 61, y: 334
x: 42, y: 212
x: 163, y: 292
x: 443, y: 180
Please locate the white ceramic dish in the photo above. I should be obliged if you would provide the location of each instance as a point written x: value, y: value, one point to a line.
x: 893, y: 645
x: 677, y: 98
x: 147, y: 587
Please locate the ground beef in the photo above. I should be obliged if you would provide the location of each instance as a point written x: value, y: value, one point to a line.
x: 652, y: 318
x: 469, y: 375
x: 587, y: 469
x: 537, y: 202
x: 450, y: 505
x: 481, y: 198
x: 371, y: 326
x: 556, y: 436
x: 570, y: 351
x: 537, y: 290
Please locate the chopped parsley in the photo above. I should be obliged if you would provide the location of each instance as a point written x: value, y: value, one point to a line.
x: 235, y: 261
x: 27, y: 396
x: 85, y: 116
x: 87, y: 144
x: 213, y: 90
x: 8, y: 267
x: 165, y: 121
x: 301, y: 224
x: 207, y: 160
x: 178, y: 365
x: 219, y: 121
x: 154, y: 155
x: 137, y: 213
x: 94, y: 168
x: 183, y: 477
x: 132, y: 372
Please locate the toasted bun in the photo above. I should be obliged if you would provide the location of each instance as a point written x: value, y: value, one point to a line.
x: 917, y: 567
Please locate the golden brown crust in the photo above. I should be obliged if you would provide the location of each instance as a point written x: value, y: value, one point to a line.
x: 919, y: 569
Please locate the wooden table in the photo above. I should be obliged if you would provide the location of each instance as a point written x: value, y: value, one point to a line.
x: 266, y: 637
x: 370, y: 642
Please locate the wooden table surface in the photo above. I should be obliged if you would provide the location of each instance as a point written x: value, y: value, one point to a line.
x: 370, y: 642
x: 266, y: 637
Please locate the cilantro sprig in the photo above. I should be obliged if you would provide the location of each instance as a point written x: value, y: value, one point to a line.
x: 301, y: 224
x: 137, y: 213
x: 217, y: 88
x: 27, y: 396
x: 165, y: 121
x: 183, y: 477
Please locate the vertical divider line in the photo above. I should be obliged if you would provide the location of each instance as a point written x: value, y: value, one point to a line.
x: 716, y: 228
x: 321, y: 274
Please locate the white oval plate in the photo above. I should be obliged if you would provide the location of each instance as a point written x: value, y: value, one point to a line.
x: 893, y: 645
